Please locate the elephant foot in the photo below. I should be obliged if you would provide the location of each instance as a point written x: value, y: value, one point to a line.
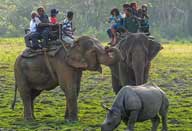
x: 71, y: 118
x: 66, y: 115
x: 128, y: 130
x: 29, y: 119
x: 71, y: 121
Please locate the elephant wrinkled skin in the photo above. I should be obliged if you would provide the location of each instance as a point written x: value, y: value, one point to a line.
x: 137, y: 51
x: 33, y: 76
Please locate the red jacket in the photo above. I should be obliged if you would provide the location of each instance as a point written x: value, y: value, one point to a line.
x: 53, y: 20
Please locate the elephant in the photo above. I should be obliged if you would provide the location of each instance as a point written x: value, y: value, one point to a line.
x: 32, y: 75
x: 137, y: 51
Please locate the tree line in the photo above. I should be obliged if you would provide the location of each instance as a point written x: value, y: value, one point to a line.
x: 169, y: 19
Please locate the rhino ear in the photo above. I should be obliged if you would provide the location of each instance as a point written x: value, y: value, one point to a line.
x: 106, y: 108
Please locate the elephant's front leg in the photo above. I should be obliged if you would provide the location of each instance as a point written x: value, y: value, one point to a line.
x: 77, y: 82
x: 71, y: 98
x: 68, y: 84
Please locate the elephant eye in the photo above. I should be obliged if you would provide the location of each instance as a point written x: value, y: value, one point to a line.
x: 92, y: 52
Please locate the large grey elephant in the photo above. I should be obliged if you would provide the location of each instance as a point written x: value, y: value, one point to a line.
x: 137, y: 51
x: 32, y: 75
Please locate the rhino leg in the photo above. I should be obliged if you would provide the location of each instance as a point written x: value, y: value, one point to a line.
x: 155, y: 123
x: 132, y: 119
x: 164, y: 122
x: 163, y: 113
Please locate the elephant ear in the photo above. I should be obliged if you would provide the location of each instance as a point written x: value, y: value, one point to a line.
x: 76, y: 64
x: 75, y: 60
x: 125, y: 48
x: 153, y: 49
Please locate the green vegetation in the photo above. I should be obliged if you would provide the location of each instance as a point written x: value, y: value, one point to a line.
x: 171, y: 70
x: 169, y: 19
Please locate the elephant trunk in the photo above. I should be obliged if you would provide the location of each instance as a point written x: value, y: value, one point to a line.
x: 109, y: 57
x: 138, y: 64
x: 139, y: 75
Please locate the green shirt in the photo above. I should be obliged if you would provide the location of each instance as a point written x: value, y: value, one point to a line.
x: 131, y: 24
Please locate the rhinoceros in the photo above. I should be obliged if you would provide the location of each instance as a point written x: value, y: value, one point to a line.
x: 137, y: 104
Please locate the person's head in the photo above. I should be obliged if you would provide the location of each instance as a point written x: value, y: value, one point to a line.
x: 41, y: 11
x: 69, y: 15
x: 134, y: 5
x: 140, y: 12
x: 128, y: 12
x: 144, y: 7
x: 54, y: 12
x: 125, y: 6
x: 115, y: 12
x: 33, y: 14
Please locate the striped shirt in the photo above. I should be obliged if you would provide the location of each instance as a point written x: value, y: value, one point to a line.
x: 67, y: 28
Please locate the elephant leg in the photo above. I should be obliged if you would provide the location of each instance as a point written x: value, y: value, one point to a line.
x: 34, y: 94
x: 115, y: 78
x: 71, y: 104
x: 27, y: 103
x: 66, y: 112
x: 71, y: 97
x: 68, y: 84
x: 78, y: 81
x: 155, y: 123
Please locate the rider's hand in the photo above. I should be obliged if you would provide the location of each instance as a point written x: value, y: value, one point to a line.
x: 51, y: 24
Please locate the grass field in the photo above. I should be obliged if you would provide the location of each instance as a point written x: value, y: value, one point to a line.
x: 171, y: 70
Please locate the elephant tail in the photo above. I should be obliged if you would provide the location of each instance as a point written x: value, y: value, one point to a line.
x: 15, y: 97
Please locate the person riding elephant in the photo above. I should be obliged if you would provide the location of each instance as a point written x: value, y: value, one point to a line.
x: 144, y: 19
x: 32, y: 30
x: 129, y: 23
x: 137, y: 51
x: 32, y: 75
x: 43, y: 30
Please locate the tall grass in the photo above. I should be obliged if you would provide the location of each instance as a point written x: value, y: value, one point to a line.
x: 171, y: 70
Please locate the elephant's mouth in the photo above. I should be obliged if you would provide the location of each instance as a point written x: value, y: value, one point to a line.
x: 95, y: 68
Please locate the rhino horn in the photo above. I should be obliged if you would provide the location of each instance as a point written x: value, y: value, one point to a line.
x: 105, y: 107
